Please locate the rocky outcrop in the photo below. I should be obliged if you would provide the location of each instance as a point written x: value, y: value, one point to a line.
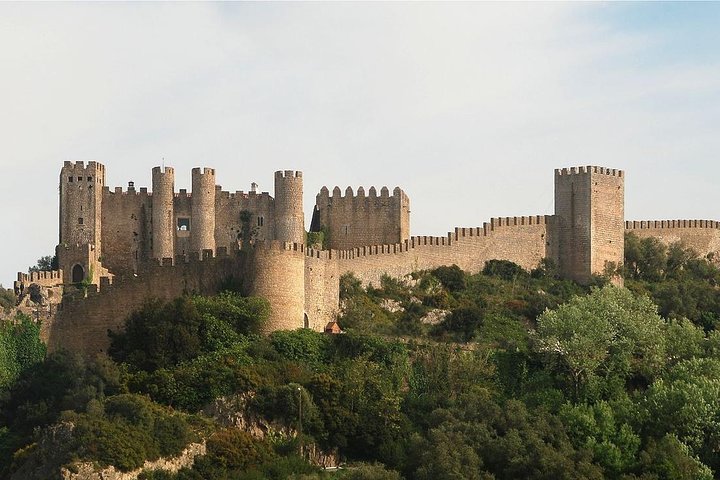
x: 87, y: 471
x: 232, y: 411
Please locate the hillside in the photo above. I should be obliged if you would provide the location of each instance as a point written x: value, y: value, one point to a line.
x: 441, y: 375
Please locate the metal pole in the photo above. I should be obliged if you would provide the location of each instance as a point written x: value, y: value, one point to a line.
x: 300, y: 419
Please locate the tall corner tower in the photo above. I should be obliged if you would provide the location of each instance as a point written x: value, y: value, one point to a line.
x: 402, y: 210
x: 202, y: 211
x: 289, y: 216
x: 590, y: 220
x: 163, y: 216
x: 80, y: 242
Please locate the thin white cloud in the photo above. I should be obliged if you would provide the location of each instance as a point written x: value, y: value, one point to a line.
x: 467, y: 106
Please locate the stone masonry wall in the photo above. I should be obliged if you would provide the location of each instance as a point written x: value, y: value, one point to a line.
x: 81, y: 324
x: 278, y: 274
x: 322, y: 288
x: 607, y: 218
x: 126, y: 227
x: 228, y: 207
x: 523, y: 240
x: 703, y: 236
x: 589, y: 208
x: 360, y: 220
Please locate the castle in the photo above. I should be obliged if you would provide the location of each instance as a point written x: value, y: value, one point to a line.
x: 124, y: 246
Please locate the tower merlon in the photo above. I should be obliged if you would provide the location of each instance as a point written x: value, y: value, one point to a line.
x: 159, y: 170
x: 288, y: 174
x: 584, y: 170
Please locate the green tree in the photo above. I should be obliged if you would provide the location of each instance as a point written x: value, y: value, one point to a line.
x: 48, y: 262
x: 7, y: 298
x: 609, y: 328
x: 20, y: 348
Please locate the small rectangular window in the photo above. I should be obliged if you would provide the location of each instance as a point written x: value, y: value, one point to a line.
x: 81, y: 221
x: 79, y: 179
x: 183, y: 224
x: 89, y: 179
x: 70, y: 179
x: 261, y: 221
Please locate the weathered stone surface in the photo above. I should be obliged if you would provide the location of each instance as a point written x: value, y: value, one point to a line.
x: 121, y: 243
x: 87, y: 471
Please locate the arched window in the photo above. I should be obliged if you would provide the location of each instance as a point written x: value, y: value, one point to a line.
x: 78, y: 273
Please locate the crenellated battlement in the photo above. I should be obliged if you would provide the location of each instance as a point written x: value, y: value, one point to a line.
x: 288, y: 174
x: 44, y: 277
x: 161, y: 171
x: 585, y: 170
x: 240, y: 194
x: 79, y: 167
x: 515, y: 221
x: 202, y: 171
x: 130, y: 191
x: 372, y: 193
x: 278, y: 245
x: 668, y: 224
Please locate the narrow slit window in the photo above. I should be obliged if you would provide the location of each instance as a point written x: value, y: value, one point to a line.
x: 261, y: 221
x: 81, y: 221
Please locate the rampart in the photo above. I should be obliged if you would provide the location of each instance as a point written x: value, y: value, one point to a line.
x: 46, y: 278
x: 82, y: 322
x: 523, y: 240
x: 259, y: 241
x: 703, y: 236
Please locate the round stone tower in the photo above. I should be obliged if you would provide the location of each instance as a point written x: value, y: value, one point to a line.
x: 202, y: 222
x: 163, y: 217
x: 278, y: 275
x: 289, y: 216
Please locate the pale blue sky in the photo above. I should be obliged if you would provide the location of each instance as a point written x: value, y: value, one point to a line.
x: 468, y: 107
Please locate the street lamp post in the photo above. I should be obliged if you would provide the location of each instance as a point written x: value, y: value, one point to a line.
x: 300, y: 419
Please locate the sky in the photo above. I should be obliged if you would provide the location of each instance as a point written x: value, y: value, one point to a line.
x: 469, y: 107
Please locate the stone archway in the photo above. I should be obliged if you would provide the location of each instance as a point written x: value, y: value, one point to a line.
x: 78, y: 273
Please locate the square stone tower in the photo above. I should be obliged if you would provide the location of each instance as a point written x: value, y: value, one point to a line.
x: 590, y: 220
x: 79, y: 248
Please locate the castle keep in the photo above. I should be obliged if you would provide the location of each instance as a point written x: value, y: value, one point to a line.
x: 124, y: 246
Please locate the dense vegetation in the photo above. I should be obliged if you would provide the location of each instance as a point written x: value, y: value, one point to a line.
x: 503, y: 374
x: 7, y: 299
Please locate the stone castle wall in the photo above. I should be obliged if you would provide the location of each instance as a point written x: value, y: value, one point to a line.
x: 359, y: 220
x: 703, y: 236
x: 523, y: 240
x: 368, y: 235
x: 137, y: 226
x: 82, y: 323
x: 126, y: 226
x: 322, y: 287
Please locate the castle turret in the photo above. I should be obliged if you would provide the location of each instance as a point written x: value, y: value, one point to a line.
x: 163, y: 216
x: 289, y: 216
x: 278, y: 274
x: 590, y: 220
x: 80, y: 246
x: 202, y: 227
